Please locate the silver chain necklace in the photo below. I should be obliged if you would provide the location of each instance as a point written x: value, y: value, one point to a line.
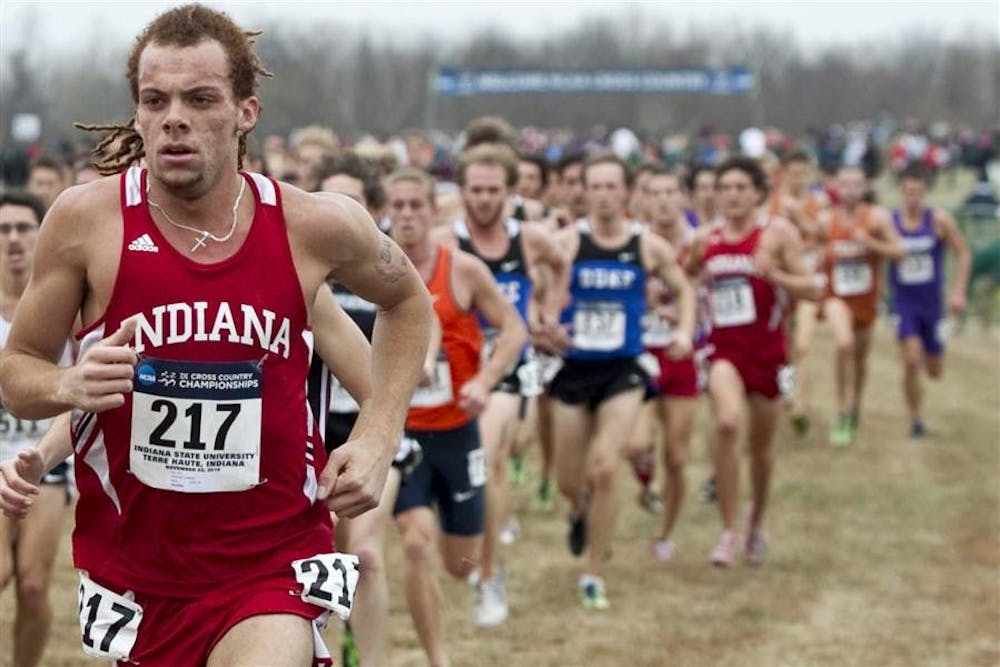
x: 204, y: 234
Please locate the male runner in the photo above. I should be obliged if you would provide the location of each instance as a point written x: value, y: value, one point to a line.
x: 27, y: 548
x: 443, y: 414
x: 702, y: 195
x: 677, y: 384
x: 749, y: 261
x: 599, y: 390
x: 189, y: 396
x: 365, y: 636
x: 917, y: 283
x: 47, y: 177
x: 856, y: 237
x: 795, y: 202
x: 527, y: 267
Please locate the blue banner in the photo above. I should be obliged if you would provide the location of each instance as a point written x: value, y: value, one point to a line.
x: 453, y: 82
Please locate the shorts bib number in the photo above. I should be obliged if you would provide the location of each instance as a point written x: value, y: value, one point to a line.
x: 109, y: 623
x: 329, y: 581
x: 196, y: 425
x: 599, y: 326
x: 852, y: 277
x: 733, y: 303
x: 477, y: 468
x: 438, y: 392
x: 916, y: 269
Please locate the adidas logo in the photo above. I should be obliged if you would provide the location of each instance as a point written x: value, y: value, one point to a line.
x: 143, y: 244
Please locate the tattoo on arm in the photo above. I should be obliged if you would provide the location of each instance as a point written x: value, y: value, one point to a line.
x: 390, y: 271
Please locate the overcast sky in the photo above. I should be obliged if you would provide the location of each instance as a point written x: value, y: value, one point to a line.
x: 69, y: 24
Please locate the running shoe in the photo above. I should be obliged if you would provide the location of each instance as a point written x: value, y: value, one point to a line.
x: 543, y: 500
x: 518, y: 471
x: 725, y: 551
x: 800, y: 424
x: 491, y: 602
x: 841, y: 433
x: 592, y: 594
x: 756, y: 547
x: 708, y: 492
x: 577, y: 533
x: 510, y: 532
x: 917, y: 430
x: 650, y: 501
x: 663, y: 550
x: 349, y: 654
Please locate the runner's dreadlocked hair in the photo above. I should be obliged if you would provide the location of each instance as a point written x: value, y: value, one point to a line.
x: 184, y: 26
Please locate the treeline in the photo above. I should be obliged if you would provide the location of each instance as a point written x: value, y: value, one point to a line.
x: 379, y: 83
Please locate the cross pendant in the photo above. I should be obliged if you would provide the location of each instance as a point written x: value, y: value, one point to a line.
x: 200, y: 242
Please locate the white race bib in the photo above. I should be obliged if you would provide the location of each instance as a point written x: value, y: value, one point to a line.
x: 530, y: 376
x: 656, y: 331
x: 109, y: 622
x: 477, y: 468
x: 329, y: 581
x: 439, y: 392
x: 732, y: 302
x: 196, y: 425
x: 599, y: 326
x: 916, y: 269
x: 852, y: 277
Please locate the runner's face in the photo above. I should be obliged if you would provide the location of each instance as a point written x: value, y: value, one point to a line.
x: 484, y: 193
x: 345, y: 185
x: 529, y: 180
x: 574, y: 196
x: 737, y: 195
x: 797, y: 176
x: 665, y: 200
x: 187, y: 116
x: 850, y: 186
x: 46, y: 184
x: 704, y: 190
x: 18, y: 232
x: 912, y: 190
x: 607, y: 194
x: 410, y: 212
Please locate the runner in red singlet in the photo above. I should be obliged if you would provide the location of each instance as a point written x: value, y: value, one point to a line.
x: 194, y: 283
x: 749, y: 261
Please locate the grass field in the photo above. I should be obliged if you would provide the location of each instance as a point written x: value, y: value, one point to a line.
x: 885, y: 553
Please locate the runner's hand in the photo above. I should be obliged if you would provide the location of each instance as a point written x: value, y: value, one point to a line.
x: 103, y: 375
x: 19, y: 479
x: 680, y: 346
x: 473, y: 396
x: 352, y: 481
x: 957, y: 304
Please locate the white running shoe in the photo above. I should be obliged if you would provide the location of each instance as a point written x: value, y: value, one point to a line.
x: 491, y: 602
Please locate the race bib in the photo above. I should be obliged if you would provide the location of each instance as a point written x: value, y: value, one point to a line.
x: 109, y: 622
x: 650, y: 364
x: 477, y: 468
x: 19, y: 434
x: 196, y: 425
x: 852, y: 277
x: 916, y: 269
x: 340, y: 399
x: 656, y: 331
x: 329, y: 581
x: 529, y: 374
x: 732, y: 302
x: 438, y: 392
x: 599, y: 326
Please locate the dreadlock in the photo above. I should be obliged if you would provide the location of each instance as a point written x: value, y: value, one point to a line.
x: 184, y: 26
